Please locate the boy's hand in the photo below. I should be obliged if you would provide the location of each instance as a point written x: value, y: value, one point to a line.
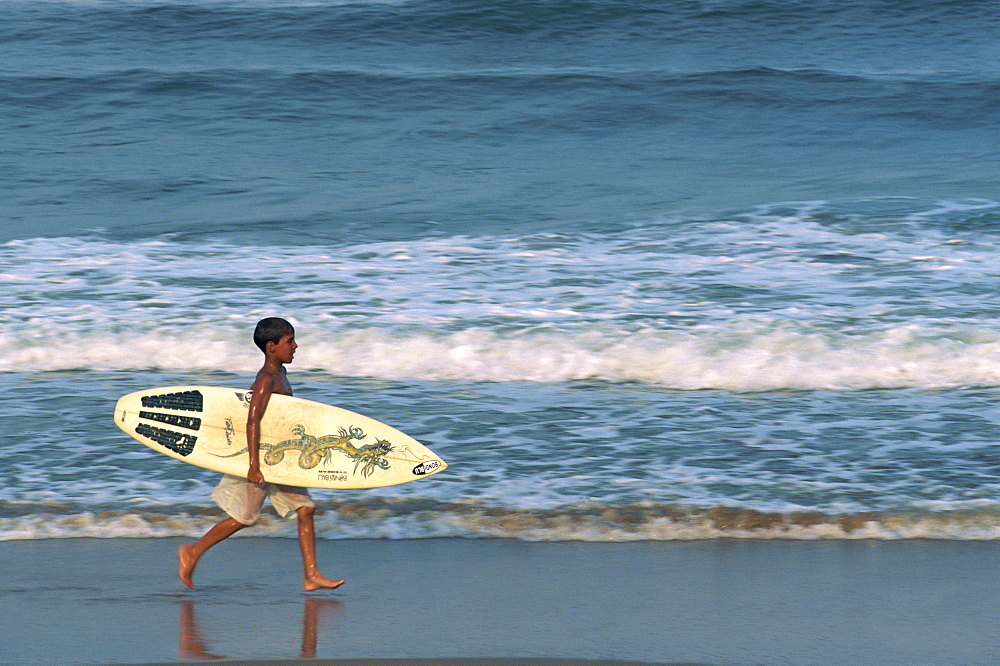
x: 254, y: 474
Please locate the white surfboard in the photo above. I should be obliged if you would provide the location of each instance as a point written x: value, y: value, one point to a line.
x: 302, y: 443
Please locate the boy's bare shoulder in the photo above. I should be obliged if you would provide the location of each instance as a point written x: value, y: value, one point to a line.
x: 270, y: 381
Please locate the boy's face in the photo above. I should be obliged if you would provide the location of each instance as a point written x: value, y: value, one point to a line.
x: 284, y: 349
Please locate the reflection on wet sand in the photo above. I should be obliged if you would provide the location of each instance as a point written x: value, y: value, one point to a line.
x: 193, y: 645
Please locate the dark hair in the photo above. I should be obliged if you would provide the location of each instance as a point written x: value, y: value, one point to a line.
x: 271, y: 329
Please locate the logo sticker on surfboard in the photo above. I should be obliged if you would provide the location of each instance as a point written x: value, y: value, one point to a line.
x: 426, y: 467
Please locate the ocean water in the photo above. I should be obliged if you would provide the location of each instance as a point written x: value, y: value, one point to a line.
x: 636, y: 270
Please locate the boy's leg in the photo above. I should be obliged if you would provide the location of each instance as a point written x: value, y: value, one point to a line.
x: 312, y: 579
x: 190, y: 553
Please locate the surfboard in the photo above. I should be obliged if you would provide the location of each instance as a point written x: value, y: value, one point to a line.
x: 302, y: 443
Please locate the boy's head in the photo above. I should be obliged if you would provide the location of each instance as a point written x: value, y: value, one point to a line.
x: 271, y: 329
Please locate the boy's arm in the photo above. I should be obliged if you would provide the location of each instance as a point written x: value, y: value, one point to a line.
x: 262, y: 389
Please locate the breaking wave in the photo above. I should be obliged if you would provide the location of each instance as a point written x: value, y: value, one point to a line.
x: 595, y: 523
x: 764, y: 356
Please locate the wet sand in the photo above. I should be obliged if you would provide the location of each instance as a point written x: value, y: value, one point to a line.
x: 725, y: 601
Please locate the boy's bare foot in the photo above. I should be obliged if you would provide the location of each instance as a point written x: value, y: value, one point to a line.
x: 320, y: 582
x: 187, y: 562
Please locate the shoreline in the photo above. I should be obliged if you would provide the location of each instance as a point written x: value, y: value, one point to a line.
x: 493, y: 601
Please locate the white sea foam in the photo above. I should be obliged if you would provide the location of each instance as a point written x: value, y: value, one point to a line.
x: 781, y: 298
x: 765, y: 357
x: 748, y: 359
x: 607, y: 524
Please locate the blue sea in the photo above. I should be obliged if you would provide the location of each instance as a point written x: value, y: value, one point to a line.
x: 636, y: 270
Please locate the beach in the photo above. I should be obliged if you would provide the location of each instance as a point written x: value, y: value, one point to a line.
x: 722, y: 601
x: 697, y: 301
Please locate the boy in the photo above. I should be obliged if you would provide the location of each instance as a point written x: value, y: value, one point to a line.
x: 243, y: 498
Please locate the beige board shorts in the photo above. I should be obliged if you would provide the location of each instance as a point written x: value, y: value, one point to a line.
x: 243, y: 500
